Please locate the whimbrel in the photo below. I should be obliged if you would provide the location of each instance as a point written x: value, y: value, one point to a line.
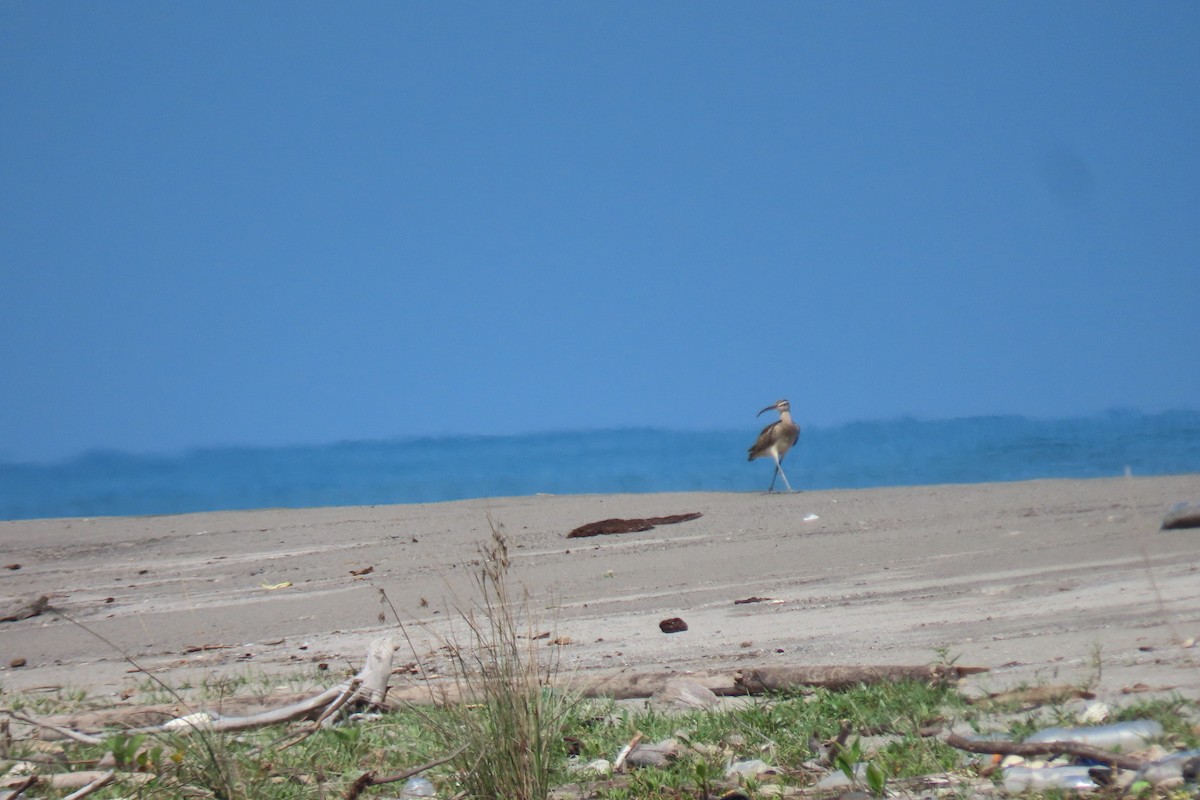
x: 776, y: 439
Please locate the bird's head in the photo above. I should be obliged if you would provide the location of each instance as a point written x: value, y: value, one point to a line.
x: 781, y: 406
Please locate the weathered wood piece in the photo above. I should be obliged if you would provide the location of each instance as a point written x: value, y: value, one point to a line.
x: 607, y: 526
x: 1077, y: 749
x: 778, y: 678
x: 1182, y: 515
x: 1036, y: 695
x: 368, y: 687
x: 761, y: 680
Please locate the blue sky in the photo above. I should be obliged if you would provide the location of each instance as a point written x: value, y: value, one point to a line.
x: 269, y: 223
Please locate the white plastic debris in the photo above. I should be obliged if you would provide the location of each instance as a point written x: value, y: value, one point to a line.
x: 1095, y: 713
x: 1020, y: 779
x: 601, y: 766
x: 201, y: 720
x: 750, y: 769
x: 1120, y: 736
x: 417, y: 786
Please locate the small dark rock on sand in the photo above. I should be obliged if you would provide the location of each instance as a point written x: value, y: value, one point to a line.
x: 16, y: 608
x: 672, y: 625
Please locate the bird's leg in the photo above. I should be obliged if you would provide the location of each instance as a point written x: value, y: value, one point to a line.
x: 774, y: 475
x: 785, y: 480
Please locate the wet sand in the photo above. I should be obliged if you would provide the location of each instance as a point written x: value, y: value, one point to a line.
x: 1042, y: 581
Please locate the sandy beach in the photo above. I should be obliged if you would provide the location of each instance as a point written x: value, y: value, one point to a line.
x: 1041, y: 581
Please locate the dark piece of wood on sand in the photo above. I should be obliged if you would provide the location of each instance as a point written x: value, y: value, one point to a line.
x: 606, y: 526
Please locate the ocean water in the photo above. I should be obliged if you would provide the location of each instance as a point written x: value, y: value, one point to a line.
x: 410, y: 470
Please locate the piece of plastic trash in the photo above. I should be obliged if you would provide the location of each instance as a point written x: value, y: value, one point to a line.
x: 1177, y: 766
x: 749, y: 769
x: 1120, y: 736
x: 417, y: 786
x: 810, y: 518
x: 200, y: 721
x: 601, y: 766
x: 1020, y: 779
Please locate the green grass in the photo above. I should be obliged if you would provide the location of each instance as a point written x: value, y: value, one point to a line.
x: 776, y: 729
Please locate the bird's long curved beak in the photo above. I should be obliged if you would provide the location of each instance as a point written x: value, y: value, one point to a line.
x: 771, y: 407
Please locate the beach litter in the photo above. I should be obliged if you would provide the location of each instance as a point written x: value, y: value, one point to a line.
x: 658, y: 754
x: 601, y: 767
x: 1086, y: 758
x: 1068, y: 777
x: 1176, y: 768
x: 751, y: 768
x: 418, y: 786
x: 1120, y: 737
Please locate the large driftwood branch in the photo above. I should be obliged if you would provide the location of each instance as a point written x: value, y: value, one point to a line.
x: 1078, y: 749
x: 368, y: 687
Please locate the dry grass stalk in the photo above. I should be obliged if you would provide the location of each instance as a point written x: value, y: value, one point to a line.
x: 512, y: 729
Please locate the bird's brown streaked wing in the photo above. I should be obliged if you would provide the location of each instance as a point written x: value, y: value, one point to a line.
x: 763, y: 442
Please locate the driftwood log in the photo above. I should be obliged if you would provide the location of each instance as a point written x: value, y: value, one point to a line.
x: 1183, y: 515
x: 368, y: 688
x: 1077, y: 749
x: 607, y: 526
x: 774, y: 679
x: 725, y: 683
